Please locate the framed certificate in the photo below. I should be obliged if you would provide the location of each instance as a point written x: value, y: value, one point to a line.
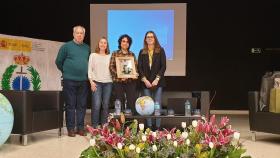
x: 126, y: 67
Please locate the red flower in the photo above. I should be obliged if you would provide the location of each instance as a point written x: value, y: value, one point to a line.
x: 127, y: 132
x: 117, y: 125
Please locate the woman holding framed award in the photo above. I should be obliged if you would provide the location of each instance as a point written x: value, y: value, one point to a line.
x: 151, y: 67
x: 123, y: 66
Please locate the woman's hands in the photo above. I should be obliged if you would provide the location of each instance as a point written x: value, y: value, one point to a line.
x: 148, y: 84
x: 155, y: 82
x: 93, y: 86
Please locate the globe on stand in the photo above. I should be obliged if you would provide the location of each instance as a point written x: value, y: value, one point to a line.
x: 145, y: 105
x: 6, y: 119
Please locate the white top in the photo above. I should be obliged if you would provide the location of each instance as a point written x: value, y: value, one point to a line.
x: 98, y: 68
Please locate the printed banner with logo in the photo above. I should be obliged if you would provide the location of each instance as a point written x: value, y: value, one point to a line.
x: 28, y: 64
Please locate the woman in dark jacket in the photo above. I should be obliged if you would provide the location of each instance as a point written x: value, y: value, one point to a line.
x: 151, y: 68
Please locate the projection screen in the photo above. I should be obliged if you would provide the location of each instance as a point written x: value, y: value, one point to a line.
x: 167, y: 20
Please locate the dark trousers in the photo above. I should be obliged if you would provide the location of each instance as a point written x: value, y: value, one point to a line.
x: 129, y: 89
x: 75, y: 97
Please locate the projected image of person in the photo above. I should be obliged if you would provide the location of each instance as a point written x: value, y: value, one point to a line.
x: 151, y: 68
x: 100, y: 81
x: 124, y: 88
x: 72, y: 61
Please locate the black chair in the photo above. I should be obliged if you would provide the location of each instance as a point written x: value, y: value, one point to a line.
x: 261, y: 121
x: 35, y: 111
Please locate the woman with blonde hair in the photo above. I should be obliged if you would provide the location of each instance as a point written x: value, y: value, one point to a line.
x: 100, y: 82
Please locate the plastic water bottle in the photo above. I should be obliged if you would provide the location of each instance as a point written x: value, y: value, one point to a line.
x: 188, y: 108
x: 157, y: 109
x: 117, y: 107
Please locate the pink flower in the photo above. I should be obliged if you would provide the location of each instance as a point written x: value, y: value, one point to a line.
x: 212, y: 120
x: 224, y: 121
x: 222, y: 139
x: 227, y: 132
x: 207, y: 128
x: 151, y: 138
x: 199, y: 127
x: 215, y: 130
x: 92, y: 131
x: 209, y: 139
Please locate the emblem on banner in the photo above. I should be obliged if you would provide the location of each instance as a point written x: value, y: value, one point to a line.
x: 21, y: 81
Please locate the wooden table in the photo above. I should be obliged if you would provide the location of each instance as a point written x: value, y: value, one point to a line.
x: 167, y: 121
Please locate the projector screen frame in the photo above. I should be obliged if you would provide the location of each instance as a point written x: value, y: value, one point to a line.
x: 175, y: 67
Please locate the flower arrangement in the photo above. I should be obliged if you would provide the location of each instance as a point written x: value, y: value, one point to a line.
x: 127, y: 139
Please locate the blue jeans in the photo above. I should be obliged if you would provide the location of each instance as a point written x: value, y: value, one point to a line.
x: 75, y: 97
x: 100, y: 97
x: 156, y: 94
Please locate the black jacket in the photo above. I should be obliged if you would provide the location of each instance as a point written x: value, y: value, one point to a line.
x: 158, y: 66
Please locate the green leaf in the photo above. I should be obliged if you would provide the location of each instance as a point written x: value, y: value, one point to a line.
x: 35, y: 78
x: 236, y: 153
x: 7, y: 76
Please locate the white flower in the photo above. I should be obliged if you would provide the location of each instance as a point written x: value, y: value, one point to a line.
x: 111, y: 115
x: 131, y: 147
x: 119, y: 146
x: 141, y: 126
x: 154, y: 134
x: 203, y: 118
x: 236, y: 135
x: 184, y: 124
x: 154, y: 148
x: 92, y: 142
x: 168, y: 136
x: 175, y: 143
x: 185, y: 135
x: 144, y: 138
x: 188, y: 142
x: 138, y: 150
x: 194, y: 123
x: 211, y: 145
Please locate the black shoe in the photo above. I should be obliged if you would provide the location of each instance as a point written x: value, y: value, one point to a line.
x: 82, y: 132
x: 71, y: 133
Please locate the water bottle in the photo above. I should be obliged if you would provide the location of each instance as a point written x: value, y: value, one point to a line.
x: 157, y: 109
x: 188, y: 108
x: 117, y: 107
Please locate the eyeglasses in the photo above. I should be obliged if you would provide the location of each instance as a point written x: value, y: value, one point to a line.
x: 125, y: 41
x: 149, y: 36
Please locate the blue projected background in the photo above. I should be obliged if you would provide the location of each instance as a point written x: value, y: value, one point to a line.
x: 136, y: 23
